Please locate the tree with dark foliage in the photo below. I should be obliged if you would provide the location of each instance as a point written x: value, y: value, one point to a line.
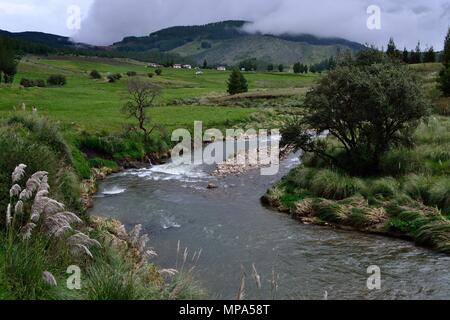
x: 237, y: 83
x: 444, y: 75
x: 367, y: 109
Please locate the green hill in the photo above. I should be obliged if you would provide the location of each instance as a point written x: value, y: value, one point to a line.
x: 226, y: 43
x: 221, y: 43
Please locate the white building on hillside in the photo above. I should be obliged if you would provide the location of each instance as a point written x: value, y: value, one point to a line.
x: 221, y: 68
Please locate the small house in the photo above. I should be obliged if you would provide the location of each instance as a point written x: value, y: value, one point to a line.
x: 187, y: 66
x: 177, y: 66
x: 221, y: 68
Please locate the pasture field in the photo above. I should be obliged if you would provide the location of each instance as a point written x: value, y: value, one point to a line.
x: 94, y: 105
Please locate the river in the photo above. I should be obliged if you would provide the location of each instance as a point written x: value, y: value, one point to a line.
x: 234, y: 231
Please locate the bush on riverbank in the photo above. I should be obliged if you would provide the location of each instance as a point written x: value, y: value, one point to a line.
x: 413, y: 193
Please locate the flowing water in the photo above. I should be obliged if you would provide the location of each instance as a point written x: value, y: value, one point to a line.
x: 234, y: 231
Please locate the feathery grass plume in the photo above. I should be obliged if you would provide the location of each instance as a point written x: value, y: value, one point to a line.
x: 18, y: 209
x: 18, y: 173
x: 57, y: 224
x: 139, y: 242
x: 15, y: 191
x: 274, y: 283
x: 81, y: 238
x: 52, y: 206
x: 27, y: 231
x: 25, y: 195
x: 135, y: 234
x: 8, y: 215
x: 168, y: 272
x: 256, y: 276
x: 241, y: 292
x: 49, y: 279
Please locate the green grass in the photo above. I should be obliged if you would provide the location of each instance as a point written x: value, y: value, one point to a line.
x: 88, y: 109
x: 94, y: 105
x: 410, y: 198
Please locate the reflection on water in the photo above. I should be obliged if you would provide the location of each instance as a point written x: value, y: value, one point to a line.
x: 233, y: 230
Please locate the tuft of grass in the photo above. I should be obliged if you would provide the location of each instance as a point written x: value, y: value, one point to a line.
x: 386, y: 188
x: 440, y: 194
x: 333, y: 185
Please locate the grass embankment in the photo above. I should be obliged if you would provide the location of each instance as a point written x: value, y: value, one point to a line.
x: 411, y: 199
x: 116, y: 270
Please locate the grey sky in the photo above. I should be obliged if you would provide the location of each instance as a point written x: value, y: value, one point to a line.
x: 106, y: 21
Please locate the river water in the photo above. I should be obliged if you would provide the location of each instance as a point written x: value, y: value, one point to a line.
x: 234, y: 231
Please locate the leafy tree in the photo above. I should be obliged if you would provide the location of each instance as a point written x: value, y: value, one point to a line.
x: 281, y: 68
x: 249, y: 65
x: 369, y: 56
x: 205, y: 64
x: 444, y: 75
x: 142, y: 97
x: 8, y: 61
x: 270, y: 67
x: 446, y: 54
x: 392, y: 51
x: 57, y: 80
x: 158, y: 72
x: 368, y: 109
x: 297, y: 67
x: 444, y: 81
x: 416, y: 56
x: 95, y: 74
x: 237, y: 83
x: 405, y: 56
x: 430, y: 55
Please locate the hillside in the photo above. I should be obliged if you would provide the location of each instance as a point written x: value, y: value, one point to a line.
x: 218, y: 43
x: 227, y: 43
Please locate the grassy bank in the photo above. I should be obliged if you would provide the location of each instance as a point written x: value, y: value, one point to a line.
x: 113, y: 264
x: 409, y: 199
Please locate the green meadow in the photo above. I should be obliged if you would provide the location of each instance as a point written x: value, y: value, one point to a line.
x: 94, y: 105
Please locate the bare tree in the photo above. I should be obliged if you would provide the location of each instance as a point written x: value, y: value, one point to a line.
x: 142, y: 97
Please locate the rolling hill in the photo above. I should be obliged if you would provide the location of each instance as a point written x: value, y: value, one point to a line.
x: 221, y: 43
x: 227, y: 43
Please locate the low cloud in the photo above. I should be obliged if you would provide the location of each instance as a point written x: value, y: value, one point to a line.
x: 408, y: 21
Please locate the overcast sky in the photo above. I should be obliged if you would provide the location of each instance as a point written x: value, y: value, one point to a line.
x: 106, y: 21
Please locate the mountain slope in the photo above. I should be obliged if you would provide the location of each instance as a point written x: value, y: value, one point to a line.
x: 227, y: 43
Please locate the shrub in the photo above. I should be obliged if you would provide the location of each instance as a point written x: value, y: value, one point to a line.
x: 384, y: 187
x: 332, y: 185
x: 56, y: 80
x: 28, y: 83
x: 444, y: 81
x: 389, y: 92
x: 40, y: 83
x: 158, y: 72
x: 131, y: 73
x: 401, y: 161
x: 95, y: 74
x: 114, y: 77
x: 150, y: 74
x: 237, y: 83
x: 440, y: 194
